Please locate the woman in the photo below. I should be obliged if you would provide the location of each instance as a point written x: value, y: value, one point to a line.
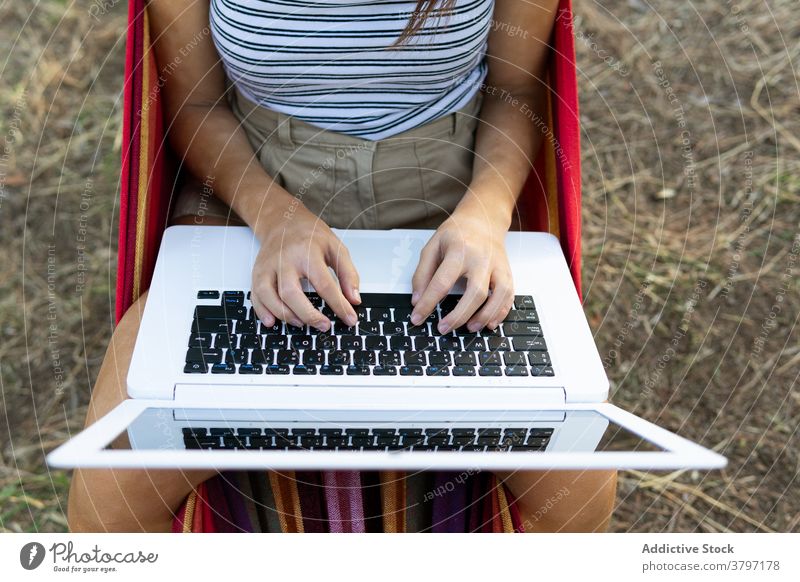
x: 300, y: 116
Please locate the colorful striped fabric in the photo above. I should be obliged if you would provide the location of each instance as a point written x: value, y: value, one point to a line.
x: 342, y: 501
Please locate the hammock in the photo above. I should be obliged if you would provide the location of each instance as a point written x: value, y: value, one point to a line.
x: 341, y: 501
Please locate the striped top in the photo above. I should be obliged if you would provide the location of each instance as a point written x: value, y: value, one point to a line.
x: 329, y: 62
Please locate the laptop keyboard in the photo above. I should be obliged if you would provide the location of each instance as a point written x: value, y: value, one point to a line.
x: 370, y: 439
x: 227, y: 338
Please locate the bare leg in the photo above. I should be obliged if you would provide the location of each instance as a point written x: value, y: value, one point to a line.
x: 126, y: 500
x: 563, y: 501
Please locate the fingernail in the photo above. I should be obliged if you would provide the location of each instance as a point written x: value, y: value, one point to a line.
x: 323, y: 325
x: 474, y: 327
x: 352, y: 320
x: 416, y: 319
x: 297, y: 323
x: 414, y: 297
x: 357, y: 294
x: 493, y: 325
x: 443, y: 327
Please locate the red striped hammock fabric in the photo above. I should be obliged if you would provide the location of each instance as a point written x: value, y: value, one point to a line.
x: 342, y: 501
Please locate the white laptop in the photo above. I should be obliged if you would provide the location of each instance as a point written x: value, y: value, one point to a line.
x: 212, y: 387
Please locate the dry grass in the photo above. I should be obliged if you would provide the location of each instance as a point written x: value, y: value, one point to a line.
x: 686, y: 252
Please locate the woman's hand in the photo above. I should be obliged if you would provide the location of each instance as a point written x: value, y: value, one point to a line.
x: 471, y: 245
x: 299, y: 246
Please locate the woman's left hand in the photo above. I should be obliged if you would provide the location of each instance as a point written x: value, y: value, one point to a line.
x: 471, y: 245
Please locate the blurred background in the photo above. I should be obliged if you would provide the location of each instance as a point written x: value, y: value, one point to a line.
x: 691, y: 184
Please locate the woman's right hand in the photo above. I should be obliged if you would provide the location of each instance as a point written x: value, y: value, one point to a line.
x: 300, y: 245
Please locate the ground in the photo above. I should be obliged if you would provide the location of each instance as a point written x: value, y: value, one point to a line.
x: 691, y: 183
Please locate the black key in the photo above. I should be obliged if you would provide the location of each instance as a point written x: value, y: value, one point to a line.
x: 403, y: 314
x: 450, y: 343
x: 486, y: 332
x: 246, y: 326
x: 232, y: 298
x: 200, y: 340
x: 464, y: 359
x: 439, y: 440
x: 357, y: 432
x: 226, y: 340
x: 488, y: 441
x: 313, y: 357
x: 514, y: 359
x: 541, y: 432
x: 308, y: 442
x: 358, y: 370
x: 523, y: 302
x: 388, y: 441
x: 437, y: 371
x: 339, y: 441
x: 376, y: 342
x: 350, y: 342
x: 221, y: 431
x: 414, y: 359
x: 331, y: 370
x: 489, y: 432
x: 520, y: 328
x: 363, y: 358
x: 423, y: 448
x: 489, y: 359
x: 204, y: 355
x: 380, y: 314
x: 411, y: 370
x: 361, y: 441
x: 516, y: 370
x: 473, y: 448
x: 529, y: 343
x: 275, y: 329
x: 330, y: 432
x: 449, y: 302
x: 294, y: 330
x: 251, y: 369
x: 194, y: 431
x: 339, y: 357
x: 393, y: 328
x: 248, y: 432
x: 415, y: 330
x: 361, y: 313
x: 277, y: 369
x: 446, y: 447
x: 195, y: 368
x: 275, y: 342
x: 287, y: 357
x: 236, y: 356
x: 424, y: 343
x: 369, y: 328
x: 340, y: 328
x: 262, y: 357
x: 463, y: 370
x: 220, y: 312
x: 538, y: 358
x: 522, y: 316
x: 437, y: 431
x: 526, y: 449
x: 511, y: 438
x: 402, y: 343
x: 212, y: 325
x: 382, y: 432
x: 384, y: 371
x: 409, y: 431
x: 439, y: 358
x: 474, y: 343
x: 302, y: 342
x: 490, y: 371
x: 208, y: 294
x: 325, y: 341
x: 276, y: 432
x: 302, y: 370
x: 500, y: 344
x: 389, y: 358
x: 537, y: 441
x: 315, y: 299
x: 542, y: 371
x: 250, y: 341
x: 463, y: 432
x: 226, y: 368
x: 385, y: 299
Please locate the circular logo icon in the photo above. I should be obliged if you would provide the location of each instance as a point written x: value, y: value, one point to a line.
x: 31, y: 555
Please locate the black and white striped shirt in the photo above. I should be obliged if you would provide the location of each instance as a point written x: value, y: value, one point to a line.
x: 327, y: 62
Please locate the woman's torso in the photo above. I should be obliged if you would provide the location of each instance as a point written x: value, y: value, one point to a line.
x: 327, y: 62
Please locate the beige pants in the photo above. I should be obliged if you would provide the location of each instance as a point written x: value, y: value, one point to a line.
x: 412, y: 180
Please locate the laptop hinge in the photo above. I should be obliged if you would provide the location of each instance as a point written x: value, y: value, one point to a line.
x: 370, y: 397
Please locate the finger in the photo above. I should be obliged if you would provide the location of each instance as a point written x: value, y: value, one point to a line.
x: 475, y: 294
x: 497, y: 306
x: 263, y: 314
x: 339, y: 258
x: 440, y: 285
x: 327, y: 288
x: 429, y: 259
x: 291, y: 293
x: 267, y: 293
